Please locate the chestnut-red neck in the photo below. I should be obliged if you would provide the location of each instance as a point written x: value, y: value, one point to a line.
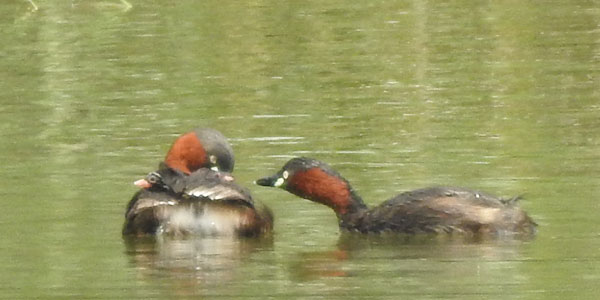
x: 186, y: 154
x: 319, y: 186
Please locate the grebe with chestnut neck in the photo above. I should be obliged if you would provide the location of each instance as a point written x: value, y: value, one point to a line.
x: 192, y: 193
x: 428, y: 210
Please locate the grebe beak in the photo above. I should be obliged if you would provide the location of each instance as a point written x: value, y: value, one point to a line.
x: 274, y: 181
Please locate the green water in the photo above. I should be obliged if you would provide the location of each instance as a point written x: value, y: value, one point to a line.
x: 396, y: 95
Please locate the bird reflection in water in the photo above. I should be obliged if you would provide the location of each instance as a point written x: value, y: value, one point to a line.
x: 318, y: 264
x: 193, y: 261
x: 351, y: 255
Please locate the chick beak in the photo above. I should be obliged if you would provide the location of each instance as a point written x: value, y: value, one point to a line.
x: 142, y: 183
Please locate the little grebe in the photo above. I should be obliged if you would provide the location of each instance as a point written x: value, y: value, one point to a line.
x: 184, y: 197
x: 427, y: 210
x: 204, y: 203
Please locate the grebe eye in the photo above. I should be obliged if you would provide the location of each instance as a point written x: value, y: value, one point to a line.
x: 285, y: 174
x: 153, y: 178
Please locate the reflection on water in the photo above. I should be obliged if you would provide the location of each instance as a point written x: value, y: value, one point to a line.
x: 318, y: 264
x: 208, y: 259
x: 409, y: 254
x: 193, y: 261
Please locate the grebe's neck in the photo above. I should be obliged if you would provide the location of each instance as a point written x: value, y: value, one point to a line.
x: 186, y: 154
x: 326, y: 188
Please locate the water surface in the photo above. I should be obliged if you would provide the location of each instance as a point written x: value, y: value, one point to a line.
x: 396, y: 95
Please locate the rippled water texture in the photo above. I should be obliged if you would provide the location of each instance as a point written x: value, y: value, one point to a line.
x: 396, y: 95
